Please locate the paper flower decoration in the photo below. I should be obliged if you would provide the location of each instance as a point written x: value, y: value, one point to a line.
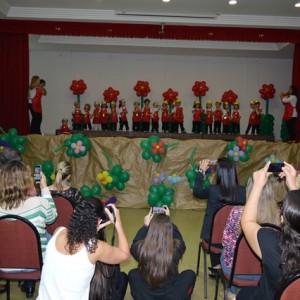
x: 13, y: 140
x: 159, y: 194
x: 111, y: 95
x: 142, y: 88
x: 239, y: 150
x: 170, y: 96
x: 267, y: 91
x: 229, y: 96
x: 200, y: 88
x: 154, y: 148
x: 116, y: 177
x: 78, y: 145
x: 78, y: 87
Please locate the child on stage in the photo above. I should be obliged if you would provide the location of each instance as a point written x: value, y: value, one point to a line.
x: 218, y: 117
x: 197, y: 113
x: 236, y: 117
x: 209, y: 117
x: 155, y: 117
x: 165, y: 117
x: 96, y: 116
x: 123, y: 115
x: 87, y: 117
x: 136, y: 116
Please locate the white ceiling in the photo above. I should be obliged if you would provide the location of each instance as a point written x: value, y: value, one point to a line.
x: 247, y: 13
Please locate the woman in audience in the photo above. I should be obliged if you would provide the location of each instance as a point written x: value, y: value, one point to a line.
x: 279, y: 252
x: 73, y: 252
x: 227, y: 190
x: 157, y: 247
x: 60, y: 186
x: 18, y: 197
x: 268, y: 212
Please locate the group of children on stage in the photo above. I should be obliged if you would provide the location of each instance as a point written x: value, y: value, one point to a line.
x: 106, y: 117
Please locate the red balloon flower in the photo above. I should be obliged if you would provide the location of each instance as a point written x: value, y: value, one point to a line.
x: 200, y: 88
x: 229, y: 96
x: 170, y: 95
x: 142, y: 88
x: 267, y: 91
x: 111, y: 95
x: 78, y: 87
x: 158, y: 147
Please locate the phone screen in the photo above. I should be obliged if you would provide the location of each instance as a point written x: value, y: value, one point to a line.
x: 158, y: 210
x: 37, y: 173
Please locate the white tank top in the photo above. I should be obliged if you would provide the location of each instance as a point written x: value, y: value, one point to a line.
x: 65, y: 277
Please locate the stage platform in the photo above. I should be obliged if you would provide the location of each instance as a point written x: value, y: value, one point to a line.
x: 177, y: 136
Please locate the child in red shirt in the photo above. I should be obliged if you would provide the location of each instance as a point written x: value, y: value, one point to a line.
x: 123, y: 115
x: 103, y: 116
x: 197, y: 113
x: 113, y: 116
x: 165, y: 117
x: 87, y: 117
x: 209, y: 116
x: 235, y: 118
x: 226, y: 118
x: 155, y: 117
x: 252, y: 119
x: 65, y: 126
x: 218, y: 117
x: 136, y: 116
x: 178, y: 117
x: 96, y: 116
x: 146, y: 116
x: 76, y: 116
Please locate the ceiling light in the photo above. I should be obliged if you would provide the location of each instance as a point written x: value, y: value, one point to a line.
x: 297, y: 4
x: 165, y: 0
x: 232, y: 2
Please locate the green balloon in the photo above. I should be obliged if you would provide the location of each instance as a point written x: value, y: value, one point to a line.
x: 156, y: 157
x: 245, y: 157
x: 22, y: 140
x: 153, y: 198
x: 153, y: 139
x: 167, y: 199
x: 77, y: 155
x: 12, y: 132
x: 249, y: 148
x: 4, y: 138
x: 192, y: 184
x: 47, y: 167
x: 115, y: 179
x: 124, y: 177
x: 190, y: 174
x: 20, y: 149
x: 161, y: 189
x: 145, y: 144
x: 110, y: 186
x: 76, y: 137
x: 68, y: 142
x: 96, y: 190
x: 117, y: 170
x: 120, y: 186
x: 146, y: 155
x: 14, y: 142
x: 70, y: 152
x: 153, y: 189
x: 85, y: 191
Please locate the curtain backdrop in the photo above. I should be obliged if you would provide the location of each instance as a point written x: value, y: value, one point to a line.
x: 14, y: 62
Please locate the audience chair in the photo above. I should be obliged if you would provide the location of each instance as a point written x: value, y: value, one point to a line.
x: 245, y: 261
x: 290, y: 290
x: 218, y: 224
x: 64, y: 209
x: 20, y: 248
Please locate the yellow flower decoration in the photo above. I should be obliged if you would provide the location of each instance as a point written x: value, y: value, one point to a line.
x: 104, y: 178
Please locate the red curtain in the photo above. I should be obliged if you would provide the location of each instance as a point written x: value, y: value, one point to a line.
x: 296, y: 82
x: 14, y: 62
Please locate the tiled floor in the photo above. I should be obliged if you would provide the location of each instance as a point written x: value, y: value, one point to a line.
x: 189, y: 223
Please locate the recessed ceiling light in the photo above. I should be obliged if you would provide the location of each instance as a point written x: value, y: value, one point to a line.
x: 297, y: 4
x: 232, y: 2
x: 165, y: 0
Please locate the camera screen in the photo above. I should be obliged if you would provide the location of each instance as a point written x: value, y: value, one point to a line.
x: 158, y: 210
x: 275, y: 167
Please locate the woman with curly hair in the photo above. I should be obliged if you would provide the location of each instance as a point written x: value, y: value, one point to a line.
x: 61, y: 188
x: 158, y: 247
x: 278, y: 251
x: 73, y: 252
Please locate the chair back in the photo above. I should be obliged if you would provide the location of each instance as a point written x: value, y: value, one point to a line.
x: 245, y: 262
x: 290, y: 290
x: 64, y: 209
x: 20, y: 245
x: 219, y: 221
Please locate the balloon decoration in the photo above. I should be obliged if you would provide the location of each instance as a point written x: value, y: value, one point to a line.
x: 13, y: 140
x: 154, y: 148
x: 86, y: 191
x: 78, y: 87
x: 200, y: 89
x: 191, y: 174
x: 48, y: 170
x: 170, y: 96
x: 239, y: 150
x: 230, y: 97
x: 142, y: 90
x: 272, y: 158
x: 78, y: 145
x: 267, y: 92
x: 111, y: 95
x: 116, y: 177
x: 159, y: 194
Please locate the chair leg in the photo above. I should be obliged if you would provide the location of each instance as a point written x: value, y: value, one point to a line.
x: 198, y: 259
x: 205, y: 273
x: 217, y: 285
x: 7, y: 289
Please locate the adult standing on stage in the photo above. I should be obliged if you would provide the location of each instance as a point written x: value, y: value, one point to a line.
x: 290, y: 115
x: 36, y: 91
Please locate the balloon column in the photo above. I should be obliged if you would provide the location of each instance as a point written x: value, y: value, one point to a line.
x: 191, y: 174
x: 154, y: 148
x: 239, y: 150
x: 115, y: 177
x: 267, y: 92
x: 78, y: 145
x: 78, y: 87
x: 159, y: 194
x: 142, y: 90
x: 13, y: 140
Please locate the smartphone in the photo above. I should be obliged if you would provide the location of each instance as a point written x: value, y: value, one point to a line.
x: 37, y: 173
x: 275, y: 167
x: 213, y: 162
x: 158, y: 210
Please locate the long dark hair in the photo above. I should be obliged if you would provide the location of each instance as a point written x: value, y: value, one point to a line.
x: 294, y: 90
x: 227, y: 180
x: 290, y: 238
x: 156, y: 252
x: 82, y: 226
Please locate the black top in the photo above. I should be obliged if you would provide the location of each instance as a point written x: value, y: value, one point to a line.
x: 212, y: 194
x: 72, y: 194
x: 269, y: 283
